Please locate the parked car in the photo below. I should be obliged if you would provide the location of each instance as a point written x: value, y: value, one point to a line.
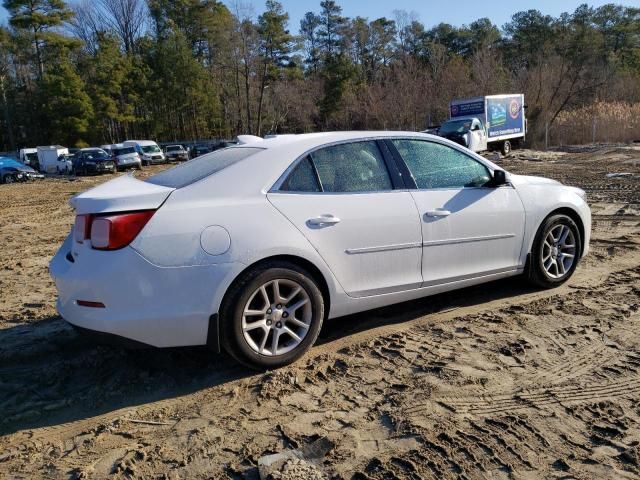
x: 176, y: 152
x: 200, y: 149
x: 107, y: 148
x: 149, y: 151
x: 251, y: 247
x: 126, y: 157
x: 93, y: 161
x: 64, y: 164
x: 12, y: 171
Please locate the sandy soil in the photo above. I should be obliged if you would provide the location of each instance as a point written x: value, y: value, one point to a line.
x: 496, y: 381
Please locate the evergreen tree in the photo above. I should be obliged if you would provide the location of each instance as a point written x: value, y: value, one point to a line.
x: 66, y: 108
x: 39, y: 18
x: 275, y: 46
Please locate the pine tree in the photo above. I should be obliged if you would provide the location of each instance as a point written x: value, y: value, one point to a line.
x: 38, y: 18
x: 66, y: 108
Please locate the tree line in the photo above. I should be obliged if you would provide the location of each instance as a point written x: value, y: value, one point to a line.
x: 93, y: 72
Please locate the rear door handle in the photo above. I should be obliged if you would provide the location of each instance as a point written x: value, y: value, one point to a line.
x: 438, y: 213
x: 323, y: 220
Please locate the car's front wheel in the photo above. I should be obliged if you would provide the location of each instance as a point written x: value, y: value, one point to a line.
x: 555, y: 252
x: 272, y: 315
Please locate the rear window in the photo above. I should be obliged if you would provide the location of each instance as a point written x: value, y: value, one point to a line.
x: 201, y: 167
x: 123, y: 151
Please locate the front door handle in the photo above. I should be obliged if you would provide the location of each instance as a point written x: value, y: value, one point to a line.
x: 323, y: 220
x: 438, y: 213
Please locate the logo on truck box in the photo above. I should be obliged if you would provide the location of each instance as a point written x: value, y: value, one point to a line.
x: 514, y: 109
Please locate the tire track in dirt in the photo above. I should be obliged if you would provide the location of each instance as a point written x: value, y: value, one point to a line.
x: 496, y: 381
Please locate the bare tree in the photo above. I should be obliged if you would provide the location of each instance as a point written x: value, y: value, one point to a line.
x: 86, y: 23
x: 128, y: 18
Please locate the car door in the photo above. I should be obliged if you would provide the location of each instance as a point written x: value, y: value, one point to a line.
x: 347, y: 200
x: 469, y: 228
x: 478, y: 141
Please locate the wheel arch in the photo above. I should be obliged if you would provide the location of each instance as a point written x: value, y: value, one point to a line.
x: 301, y: 262
x: 573, y: 215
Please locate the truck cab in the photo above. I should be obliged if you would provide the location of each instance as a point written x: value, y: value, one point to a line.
x: 469, y: 132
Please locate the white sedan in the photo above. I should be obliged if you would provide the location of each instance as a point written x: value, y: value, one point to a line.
x: 249, y: 248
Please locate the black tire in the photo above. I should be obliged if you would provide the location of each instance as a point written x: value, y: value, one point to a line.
x: 231, y: 314
x: 10, y: 179
x: 536, y: 272
x: 506, y: 148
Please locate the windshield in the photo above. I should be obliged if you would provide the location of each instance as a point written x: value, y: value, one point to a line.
x: 201, y: 167
x: 96, y: 155
x: 32, y: 157
x: 174, y: 148
x: 456, y: 126
x: 151, y: 149
x: 123, y: 151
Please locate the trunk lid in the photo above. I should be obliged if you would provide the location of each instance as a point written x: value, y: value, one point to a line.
x: 122, y: 194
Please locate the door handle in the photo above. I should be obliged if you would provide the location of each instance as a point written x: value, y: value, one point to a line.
x: 438, y: 213
x: 323, y: 220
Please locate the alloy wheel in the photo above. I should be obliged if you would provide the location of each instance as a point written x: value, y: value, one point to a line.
x: 277, y: 317
x: 558, y: 251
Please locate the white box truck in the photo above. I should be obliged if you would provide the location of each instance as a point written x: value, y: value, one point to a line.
x: 29, y: 156
x: 48, y: 158
x: 493, y: 122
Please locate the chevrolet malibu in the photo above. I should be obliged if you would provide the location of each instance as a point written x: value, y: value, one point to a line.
x: 249, y: 248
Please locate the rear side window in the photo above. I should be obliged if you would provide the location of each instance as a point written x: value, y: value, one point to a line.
x: 302, y: 178
x: 439, y: 166
x: 201, y: 167
x: 348, y: 167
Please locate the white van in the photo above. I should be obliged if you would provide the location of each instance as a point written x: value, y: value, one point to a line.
x: 149, y: 151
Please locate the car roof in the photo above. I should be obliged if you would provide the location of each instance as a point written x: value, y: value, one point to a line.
x: 141, y: 142
x: 262, y: 169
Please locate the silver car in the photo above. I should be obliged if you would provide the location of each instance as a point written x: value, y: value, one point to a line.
x: 126, y: 157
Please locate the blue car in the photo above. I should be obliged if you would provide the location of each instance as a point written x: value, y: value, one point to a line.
x: 12, y: 171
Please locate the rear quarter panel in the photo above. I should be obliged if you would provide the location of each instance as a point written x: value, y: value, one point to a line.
x: 174, y: 235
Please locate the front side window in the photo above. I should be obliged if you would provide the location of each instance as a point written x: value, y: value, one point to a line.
x: 438, y: 166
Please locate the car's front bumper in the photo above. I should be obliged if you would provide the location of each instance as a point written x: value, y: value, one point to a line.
x: 157, y: 306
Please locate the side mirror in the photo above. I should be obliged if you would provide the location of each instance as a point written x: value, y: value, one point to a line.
x: 499, y: 178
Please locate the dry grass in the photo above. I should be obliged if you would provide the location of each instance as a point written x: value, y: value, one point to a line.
x: 601, y: 122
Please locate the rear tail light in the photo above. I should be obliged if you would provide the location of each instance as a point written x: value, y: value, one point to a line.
x: 111, y: 232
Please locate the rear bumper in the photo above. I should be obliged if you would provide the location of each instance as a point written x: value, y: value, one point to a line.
x: 156, y: 306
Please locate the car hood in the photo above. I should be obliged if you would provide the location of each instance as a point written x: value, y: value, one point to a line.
x: 531, y: 180
x: 122, y: 194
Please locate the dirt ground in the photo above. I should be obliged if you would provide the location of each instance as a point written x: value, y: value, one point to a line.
x: 495, y: 381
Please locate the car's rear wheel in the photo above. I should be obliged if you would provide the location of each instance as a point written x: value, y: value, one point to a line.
x: 506, y: 148
x: 555, y: 252
x: 272, y: 315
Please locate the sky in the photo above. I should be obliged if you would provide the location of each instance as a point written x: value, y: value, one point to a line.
x: 429, y: 12
x: 432, y: 12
